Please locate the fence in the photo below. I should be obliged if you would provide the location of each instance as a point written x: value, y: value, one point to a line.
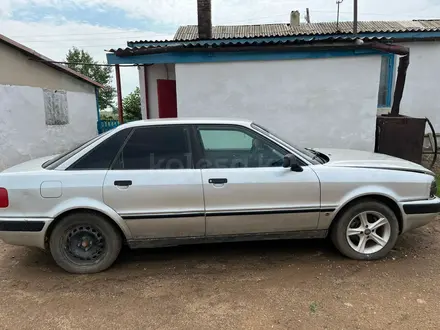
x: 106, y: 125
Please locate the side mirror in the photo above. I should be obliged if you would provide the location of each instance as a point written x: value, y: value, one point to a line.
x: 291, y: 161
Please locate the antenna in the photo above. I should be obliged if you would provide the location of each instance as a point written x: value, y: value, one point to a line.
x: 338, y: 2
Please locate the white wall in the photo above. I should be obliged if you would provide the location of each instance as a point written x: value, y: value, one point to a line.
x: 141, y: 71
x: 154, y: 72
x: 421, y: 96
x: 315, y: 102
x: 23, y: 130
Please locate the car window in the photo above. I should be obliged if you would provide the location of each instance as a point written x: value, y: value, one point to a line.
x: 165, y: 147
x: 236, y: 147
x: 58, y: 160
x: 225, y: 139
x: 102, y: 156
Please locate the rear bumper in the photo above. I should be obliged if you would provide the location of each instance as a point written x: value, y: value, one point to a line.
x: 420, y: 213
x: 25, y: 232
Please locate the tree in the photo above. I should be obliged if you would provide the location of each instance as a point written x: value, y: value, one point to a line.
x: 132, y: 105
x: 101, y: 74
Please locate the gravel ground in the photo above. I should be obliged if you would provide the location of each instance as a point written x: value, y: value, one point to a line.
x: 263, y: 285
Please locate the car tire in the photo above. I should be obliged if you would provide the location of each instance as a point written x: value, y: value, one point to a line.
x: 85, y: 243
x: 345, y: 239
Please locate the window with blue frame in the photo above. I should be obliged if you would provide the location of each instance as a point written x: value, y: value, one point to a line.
x: 386, y: 81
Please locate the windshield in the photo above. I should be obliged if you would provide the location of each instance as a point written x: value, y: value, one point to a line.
x: 57, y: 160
x: 309, y: 155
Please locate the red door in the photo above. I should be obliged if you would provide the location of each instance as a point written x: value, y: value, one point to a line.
x: 167, y: 98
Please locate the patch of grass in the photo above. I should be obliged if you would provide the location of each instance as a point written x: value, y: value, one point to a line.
x: 313, y: 307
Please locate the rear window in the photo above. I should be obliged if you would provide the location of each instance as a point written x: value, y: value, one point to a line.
x: 56, y: 161
x: 102, y: 156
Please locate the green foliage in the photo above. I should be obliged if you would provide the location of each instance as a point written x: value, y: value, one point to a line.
x: 132, y: 106
x: 107, y: 115
x: 313, y: 307
x: 101, y: 74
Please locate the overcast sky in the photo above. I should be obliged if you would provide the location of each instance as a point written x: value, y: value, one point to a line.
x: 51, y: 27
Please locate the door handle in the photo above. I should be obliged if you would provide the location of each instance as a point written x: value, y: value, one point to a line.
x: 123, y: 183
x: 218, y: 180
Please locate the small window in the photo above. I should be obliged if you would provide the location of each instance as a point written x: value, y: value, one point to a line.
x: 386, y: 81
x: 55, y: 107
x: 235, y: 147
x: 156, y: 148
x: 101, y: 157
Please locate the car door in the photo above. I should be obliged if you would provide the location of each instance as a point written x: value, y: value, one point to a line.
x: 246, y: 189
x: 154, y: 186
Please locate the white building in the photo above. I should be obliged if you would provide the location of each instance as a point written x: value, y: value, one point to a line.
x: 45, y: 108
x: 312, y: 83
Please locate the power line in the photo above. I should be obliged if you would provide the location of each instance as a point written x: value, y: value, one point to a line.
x: 82, y: 39
x: 76, y: 34
x: 80, y: 63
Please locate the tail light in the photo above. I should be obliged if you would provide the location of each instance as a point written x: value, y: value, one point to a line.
x: 4, y: 199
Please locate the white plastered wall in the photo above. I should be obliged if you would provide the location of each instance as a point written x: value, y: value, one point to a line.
x: 23, y: 130
x: 312, y: 102
x: 154, y: 72
x: 421, y: 96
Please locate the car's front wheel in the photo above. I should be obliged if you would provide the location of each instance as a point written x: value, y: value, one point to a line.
x: 85, y: 243
x: 367, y: 230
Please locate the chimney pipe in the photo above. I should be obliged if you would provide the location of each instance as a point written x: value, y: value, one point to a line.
x: 204, y: 19
x: 294, y: 18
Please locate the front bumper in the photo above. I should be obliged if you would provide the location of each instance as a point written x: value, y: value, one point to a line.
x: 25, y: 232
x: 419, y: 213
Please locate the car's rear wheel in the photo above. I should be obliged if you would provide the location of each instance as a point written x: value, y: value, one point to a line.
x: 367, y: 230
x: 85, y: 243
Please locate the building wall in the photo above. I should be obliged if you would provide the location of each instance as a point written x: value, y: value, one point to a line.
x: 23, y: 130
x: 421, y: 96
x: 315, y: 102
x: 16, y: 69
x: 154, y: 72
x: 141, y: 72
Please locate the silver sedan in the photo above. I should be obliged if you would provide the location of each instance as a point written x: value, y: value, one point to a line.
x: 171, y: 182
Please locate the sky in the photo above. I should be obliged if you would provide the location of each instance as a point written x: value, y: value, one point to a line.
x: 51, y: 27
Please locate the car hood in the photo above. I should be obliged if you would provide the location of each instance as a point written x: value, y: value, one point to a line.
x: 365, y: 159
x: 29, y: 166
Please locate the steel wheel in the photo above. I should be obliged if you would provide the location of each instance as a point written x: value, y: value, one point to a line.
x: 84, y: 244
x: 368, y: 232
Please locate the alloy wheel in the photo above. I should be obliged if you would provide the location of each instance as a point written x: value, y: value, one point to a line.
x: 368, y: 232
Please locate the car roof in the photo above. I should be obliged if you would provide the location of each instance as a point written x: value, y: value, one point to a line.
x: 188, y: 121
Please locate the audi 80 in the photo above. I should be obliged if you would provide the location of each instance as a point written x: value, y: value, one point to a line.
x: 183, y: 181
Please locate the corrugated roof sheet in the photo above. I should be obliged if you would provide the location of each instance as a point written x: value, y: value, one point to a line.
x: 47, y: 61
x: 190, y: 32
x: 225, y: 43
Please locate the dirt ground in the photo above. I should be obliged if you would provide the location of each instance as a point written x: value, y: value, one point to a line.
x: 262, y: 285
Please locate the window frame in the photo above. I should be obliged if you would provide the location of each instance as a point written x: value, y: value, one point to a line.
x: 199, y: 150
x: 51, y: 97
x: 185, y: 127
x: 389, y: 80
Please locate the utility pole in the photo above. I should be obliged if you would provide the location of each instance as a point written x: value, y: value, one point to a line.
x: 355, y: 17
x: 307, y: 15
x: 337, y: 16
